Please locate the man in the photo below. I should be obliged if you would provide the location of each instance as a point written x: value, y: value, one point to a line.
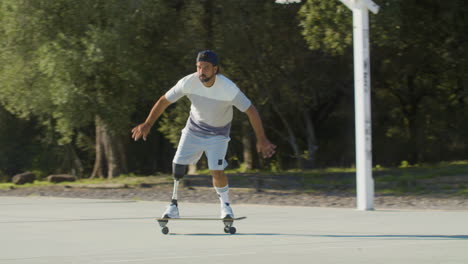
x: 207, y: 130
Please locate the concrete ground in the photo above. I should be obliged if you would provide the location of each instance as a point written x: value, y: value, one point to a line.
x: 58, y: 230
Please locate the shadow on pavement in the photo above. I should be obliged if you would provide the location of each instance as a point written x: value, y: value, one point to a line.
x: 421, y: 237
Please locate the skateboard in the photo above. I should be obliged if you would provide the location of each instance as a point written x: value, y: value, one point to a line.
x: 228, y: 228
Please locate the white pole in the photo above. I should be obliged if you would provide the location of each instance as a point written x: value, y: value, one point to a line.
x: 364, y: 180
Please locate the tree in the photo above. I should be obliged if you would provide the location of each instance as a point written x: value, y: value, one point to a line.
x: 76, y: 64
x: 270, y: 61
x: 413, y: 47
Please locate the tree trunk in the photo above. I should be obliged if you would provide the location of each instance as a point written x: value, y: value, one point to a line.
x: 74, y: 164
x: 309, y: 162
x: 99, y: 160
x: 122, y: 153
x: 411, y: 112
x: 110, y: 152
x: 247, y: 146
x: 291, y: 137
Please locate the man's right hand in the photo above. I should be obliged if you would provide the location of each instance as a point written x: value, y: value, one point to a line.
x: 142, y: 130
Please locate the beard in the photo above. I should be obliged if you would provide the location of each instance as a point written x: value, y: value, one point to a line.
x: 205, y: 79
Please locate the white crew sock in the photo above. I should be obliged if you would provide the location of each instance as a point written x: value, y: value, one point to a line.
x: 223, y: 194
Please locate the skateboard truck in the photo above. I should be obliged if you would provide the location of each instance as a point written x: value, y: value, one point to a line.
x: 164, y: 228
x: 228, y: 228
x: 228, y: 222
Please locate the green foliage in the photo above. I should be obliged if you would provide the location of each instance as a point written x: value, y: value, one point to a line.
x: 418, y: 57
x: 404, y: 164
x: 63, y: 63
x: 174, y: 120
x: 327, y: 25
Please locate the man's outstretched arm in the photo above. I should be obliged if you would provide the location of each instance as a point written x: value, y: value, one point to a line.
x: 264, y: 145
x: 143, y: 129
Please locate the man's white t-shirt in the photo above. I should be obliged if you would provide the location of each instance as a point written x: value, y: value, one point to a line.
x: 211, y: 110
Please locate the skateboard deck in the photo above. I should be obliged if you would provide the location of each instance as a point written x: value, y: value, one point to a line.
x: 228, y: 228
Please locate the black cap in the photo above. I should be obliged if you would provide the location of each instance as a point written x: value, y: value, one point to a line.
x: 208, y: 56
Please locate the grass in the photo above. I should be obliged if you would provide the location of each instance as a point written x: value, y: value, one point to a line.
x: 4, y: 186
x: 130, y: 180
x: 449, y: 178
x: 443, y: 178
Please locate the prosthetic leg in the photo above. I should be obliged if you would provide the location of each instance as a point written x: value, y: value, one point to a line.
x: 174, y: 192
x: 172, y: 211
x: 178, y: 172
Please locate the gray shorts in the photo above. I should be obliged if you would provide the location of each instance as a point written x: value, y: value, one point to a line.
x: 192, y: 145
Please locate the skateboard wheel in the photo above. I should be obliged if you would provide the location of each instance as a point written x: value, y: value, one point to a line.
x: 165, y: 230
x: 226, y: 230
x: 232, y: 230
